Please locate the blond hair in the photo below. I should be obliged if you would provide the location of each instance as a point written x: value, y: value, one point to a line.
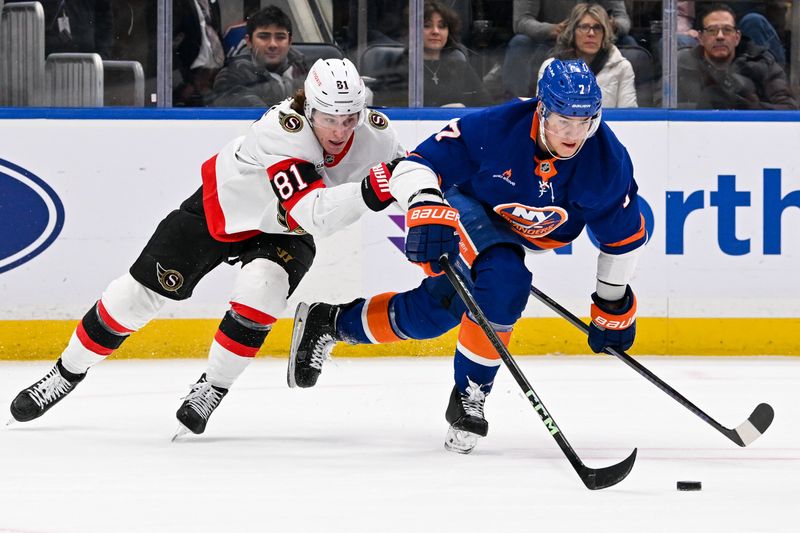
x: 566, y: 40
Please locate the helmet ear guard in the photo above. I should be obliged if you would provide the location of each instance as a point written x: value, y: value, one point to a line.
x: 333, y: 86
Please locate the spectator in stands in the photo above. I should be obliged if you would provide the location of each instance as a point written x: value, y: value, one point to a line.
x: 197, y: 53
x: 77, y: 26
x: 449, y: 79
x: 726, y: 71
x: 753, y: 25
x: 686, y: 34
x: 272, y: 71
x: 537, y: 24
x: 234, y: 37
x: 758, y: 28
x: 588, y: 35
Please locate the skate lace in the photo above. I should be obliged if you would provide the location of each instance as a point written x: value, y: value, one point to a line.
x: 50, y: 388
x: 322, y: 351
x: 203, y: 398
x: 474, y: 400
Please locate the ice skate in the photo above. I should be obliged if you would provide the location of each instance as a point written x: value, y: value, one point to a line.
x: 197, y: 407
x: 34, y: 401
x: 465, y: 415
x: 313, y: 339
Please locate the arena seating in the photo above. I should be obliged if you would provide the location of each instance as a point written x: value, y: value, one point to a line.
x: 22, y: 54
x: 314, y: 51
x: 73, y: 80
x: 644, y: 70
x: 123, y: 83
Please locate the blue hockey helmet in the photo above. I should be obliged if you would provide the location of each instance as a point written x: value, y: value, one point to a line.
x: 569, y: 88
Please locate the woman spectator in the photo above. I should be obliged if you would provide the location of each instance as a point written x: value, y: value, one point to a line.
x: 449, y: 80
x: 589, y: 35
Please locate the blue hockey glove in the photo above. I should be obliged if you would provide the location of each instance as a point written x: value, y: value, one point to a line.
x: 432, y: 231
x: 613, y: 323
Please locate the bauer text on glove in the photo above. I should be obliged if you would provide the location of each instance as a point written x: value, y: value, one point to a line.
x: 432, y: 232
x: 613, y: 323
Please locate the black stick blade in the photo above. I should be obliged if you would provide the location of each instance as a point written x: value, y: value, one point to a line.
x: 600, y: 478
x: 754, y: 426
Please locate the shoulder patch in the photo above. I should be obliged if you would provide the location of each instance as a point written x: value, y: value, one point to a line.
x: 291, y: 122
x: 377, y: 120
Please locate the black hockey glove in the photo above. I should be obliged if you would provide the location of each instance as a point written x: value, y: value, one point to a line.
x: 375, y: 187
x: 613, y: 323
x: 432, y: 231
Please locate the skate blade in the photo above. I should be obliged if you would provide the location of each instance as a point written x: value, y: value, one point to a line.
x: 182, y: 430
x: 299, y: 327
x: 460, y: 441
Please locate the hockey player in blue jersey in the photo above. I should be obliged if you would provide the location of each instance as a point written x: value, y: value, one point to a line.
x: 527, y: 175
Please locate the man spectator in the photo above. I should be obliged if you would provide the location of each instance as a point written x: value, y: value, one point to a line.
x: 268, y: 71
x: 197, y: 53
x: 537, y: 25
x: 726, y: 71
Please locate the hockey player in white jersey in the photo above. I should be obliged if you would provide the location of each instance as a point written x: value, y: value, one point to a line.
x: 298, y: 172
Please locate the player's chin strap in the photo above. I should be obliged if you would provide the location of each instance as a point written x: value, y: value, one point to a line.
x: 592, y: 130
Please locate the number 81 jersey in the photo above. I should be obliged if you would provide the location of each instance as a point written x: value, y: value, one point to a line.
x: 256, y: 181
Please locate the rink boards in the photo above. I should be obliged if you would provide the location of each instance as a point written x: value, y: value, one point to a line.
x: 721, y: 195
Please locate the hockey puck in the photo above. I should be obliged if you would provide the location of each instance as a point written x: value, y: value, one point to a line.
x: 689, y: 485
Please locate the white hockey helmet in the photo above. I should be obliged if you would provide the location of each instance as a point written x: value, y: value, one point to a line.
x: 334, y: 86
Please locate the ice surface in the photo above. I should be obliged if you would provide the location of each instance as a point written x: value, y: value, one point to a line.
x: 363, y: 451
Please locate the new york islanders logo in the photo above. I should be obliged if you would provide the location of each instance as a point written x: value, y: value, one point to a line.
x: 31, y: 215
x: 532, y: 222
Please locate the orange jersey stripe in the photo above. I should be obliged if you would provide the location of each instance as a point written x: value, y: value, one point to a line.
x: 472, y: 337
x: 378, y: 318
x: 535, y: 127
x: 547, y: 244
x: 465, y: 247
x: 635, y: 237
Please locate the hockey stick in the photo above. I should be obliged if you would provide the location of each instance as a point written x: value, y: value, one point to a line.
x: 744, y: 434
x: 593, y: 478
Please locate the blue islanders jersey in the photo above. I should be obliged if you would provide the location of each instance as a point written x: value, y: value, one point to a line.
x: 492, y: 156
